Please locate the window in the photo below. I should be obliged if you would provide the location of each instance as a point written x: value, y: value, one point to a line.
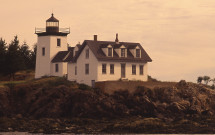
x: 133, y: 69
x: 141, y: 69
x: 103, y: 68
x: 110, y: 52
x: 111, y: 68
x: 87, y: 54
x: 58, y: 42
x: 43, y: 51
x: 86, y: 69
x: 138, y: 53
x: 75, y: 70
x: 123, y: 52
x: 56, y: 68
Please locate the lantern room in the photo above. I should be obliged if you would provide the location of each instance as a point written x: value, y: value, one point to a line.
x: 52, y: 28
x: 52, y: 25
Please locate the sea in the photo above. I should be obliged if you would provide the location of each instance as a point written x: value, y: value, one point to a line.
x: 26, y: 133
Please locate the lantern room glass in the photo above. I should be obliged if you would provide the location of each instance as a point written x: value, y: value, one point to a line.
x: 52, y: 24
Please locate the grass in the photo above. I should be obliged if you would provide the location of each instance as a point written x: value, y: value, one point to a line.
x: 5, y: 83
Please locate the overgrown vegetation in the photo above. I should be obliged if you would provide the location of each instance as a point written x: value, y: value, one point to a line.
x: 207, y: 80
x: 152, y: 79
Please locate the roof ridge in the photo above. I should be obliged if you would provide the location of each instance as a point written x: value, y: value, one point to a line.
x: 66, y: 55
x: 113, y: 41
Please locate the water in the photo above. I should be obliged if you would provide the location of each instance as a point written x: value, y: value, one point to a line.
x: 26, y: 133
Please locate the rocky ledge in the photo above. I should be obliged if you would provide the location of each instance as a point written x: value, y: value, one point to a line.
x: 57, y: 106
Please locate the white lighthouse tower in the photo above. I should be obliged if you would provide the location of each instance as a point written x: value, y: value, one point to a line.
x: 51, y: 40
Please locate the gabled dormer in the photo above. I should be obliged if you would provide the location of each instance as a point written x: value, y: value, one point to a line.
x: 108, y: 50
x: 76, y: 49
x: 121, y: 51
x: 136, y: 52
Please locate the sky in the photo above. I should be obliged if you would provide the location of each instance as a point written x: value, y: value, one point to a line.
x: 179, y: 35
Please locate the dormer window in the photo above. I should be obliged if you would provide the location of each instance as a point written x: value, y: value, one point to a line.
x: 110, y: 52
x: 122, y: 52
x: 138, y: 53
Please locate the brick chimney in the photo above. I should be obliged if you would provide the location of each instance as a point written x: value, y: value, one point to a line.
x: 95, y: 37
x: 117, y: 40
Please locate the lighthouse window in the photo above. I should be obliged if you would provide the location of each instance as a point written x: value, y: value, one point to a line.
x: 58, y: 42
x: 43, y: 51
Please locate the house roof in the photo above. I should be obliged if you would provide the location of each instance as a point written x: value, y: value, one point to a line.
x: 96, y: 48
x: 63, y: 56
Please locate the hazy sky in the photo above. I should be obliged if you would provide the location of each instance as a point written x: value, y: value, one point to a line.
x: 179, y: 35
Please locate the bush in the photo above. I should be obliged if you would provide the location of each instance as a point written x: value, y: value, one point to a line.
x: 150, y: 79
x: 11, y: 85
x: 213, y: 87
x: 58, y: 81
x: 84, y: 87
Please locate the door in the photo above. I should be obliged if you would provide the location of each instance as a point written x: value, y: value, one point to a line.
x: 93, y: 83
x: 122, y: 70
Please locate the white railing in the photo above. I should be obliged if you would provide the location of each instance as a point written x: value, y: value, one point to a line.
x: 61, y: 30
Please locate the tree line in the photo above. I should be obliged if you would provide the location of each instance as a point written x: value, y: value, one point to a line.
x: 206, y: 80
x: 15, y: 57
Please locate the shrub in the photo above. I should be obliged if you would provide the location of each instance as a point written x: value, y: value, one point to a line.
x: 84, y: 87
x: 58, y: 81
x: 11, y: 85
x: 213, y: 87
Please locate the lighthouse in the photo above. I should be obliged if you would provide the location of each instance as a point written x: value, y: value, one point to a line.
x: 51, y: 42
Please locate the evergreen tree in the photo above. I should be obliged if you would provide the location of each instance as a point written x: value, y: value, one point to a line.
x: 2, y: 55
x: 33, y: 57
x: 14, y: 61
x: 25, y: 55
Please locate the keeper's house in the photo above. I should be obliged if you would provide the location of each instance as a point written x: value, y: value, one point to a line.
x: 90, y: 62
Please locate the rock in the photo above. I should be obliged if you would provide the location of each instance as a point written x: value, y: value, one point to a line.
x: 182, y: 83
x: 19, y: 116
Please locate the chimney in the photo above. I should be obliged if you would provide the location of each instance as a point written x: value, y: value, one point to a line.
x: 117, y: 40
x: 95, y: 37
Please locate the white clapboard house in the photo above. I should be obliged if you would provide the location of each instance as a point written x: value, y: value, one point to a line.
x: 91, y: 62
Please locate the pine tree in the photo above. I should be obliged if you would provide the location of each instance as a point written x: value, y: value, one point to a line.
x: 26, y: 56
x: 33, y: 57
x: 14, y: 61
x: 2, y: 55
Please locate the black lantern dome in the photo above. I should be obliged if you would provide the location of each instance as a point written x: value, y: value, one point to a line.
x: 52, y: 28
x: 52, y: 25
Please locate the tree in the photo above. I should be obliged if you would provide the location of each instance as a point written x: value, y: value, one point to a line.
x: 199, y: 80
x: 33, y: 57
x: 2, y: 55
x: 14, y: 61
x: 26, y: 56
x: 213, y: 85
x: 206, y: 79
